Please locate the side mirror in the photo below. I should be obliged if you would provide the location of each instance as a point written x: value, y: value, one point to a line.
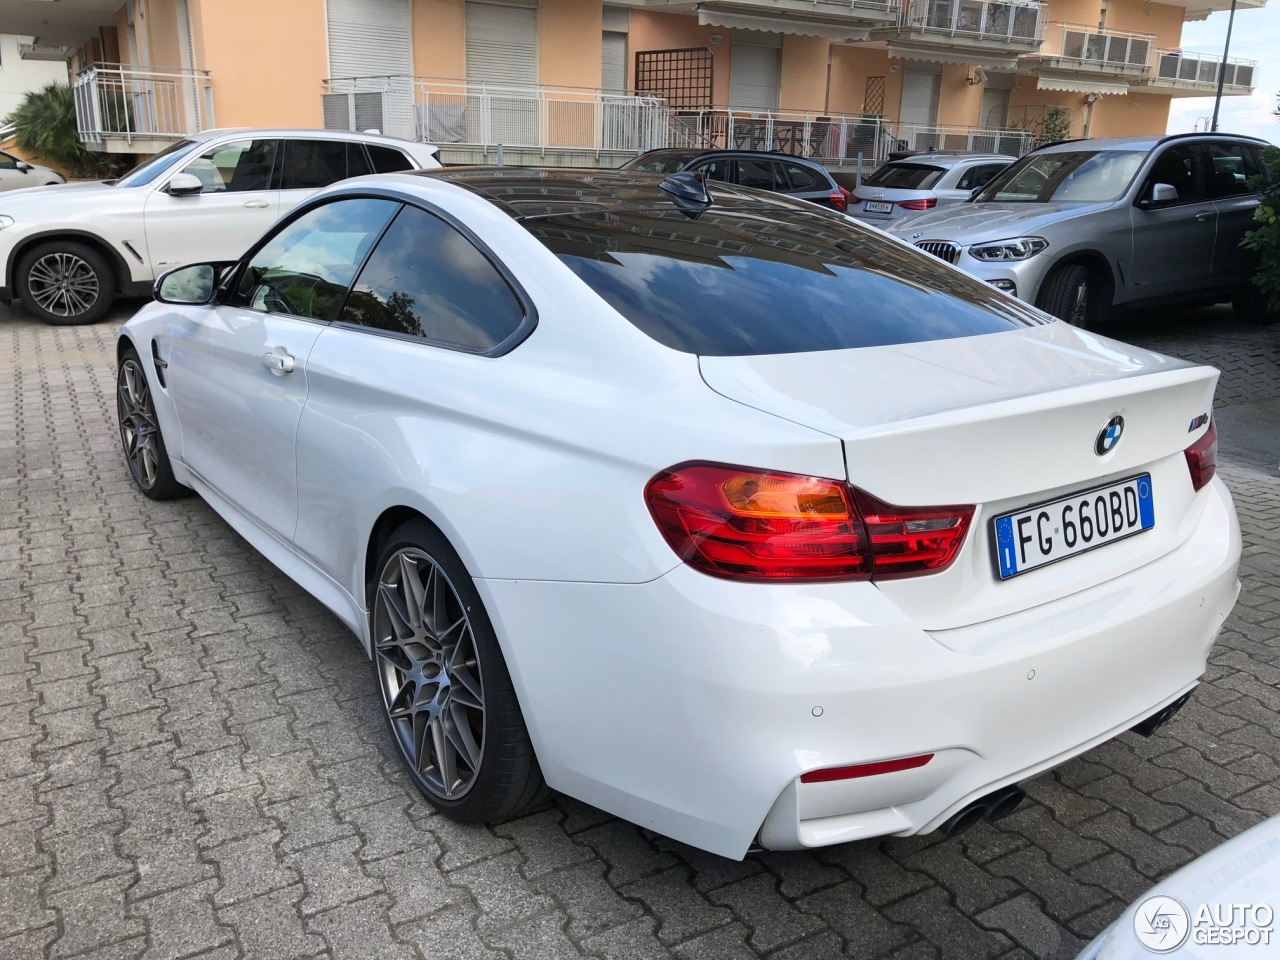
x: 24, y: 166
x: 1161, y: 194
x: 195, y: 285
x: 185, y: 185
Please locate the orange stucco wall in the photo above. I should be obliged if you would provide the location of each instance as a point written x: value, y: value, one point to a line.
x: 122, y: 31
x: 804, y: 73
x: 439, y: 39
x: 162, y: 34
x: 668, y: 31
x: 850, y: 68
x: 1162, y: 19
x: 1138, y: 113
x: 253, y: 83
x: 959, y: 101
x: 569, y: 40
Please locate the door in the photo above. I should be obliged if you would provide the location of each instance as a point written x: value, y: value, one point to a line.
x: 618, y: 113
x: 920, y: 88
x: 1173, y: 242
x: 238, y: 378
x: 502, y: 72
x: 369, y: 42
x: 1231, y: 169
x: 755, y: 71
x: 239, y: 202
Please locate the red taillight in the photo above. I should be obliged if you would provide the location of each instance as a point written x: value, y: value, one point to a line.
x: 865, y: 769
x: 745, y: 524
x: 841, y: 198
x: 928, y: 203
x: 1202, y: 457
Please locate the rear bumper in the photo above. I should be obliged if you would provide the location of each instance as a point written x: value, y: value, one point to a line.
x: 692, y: 705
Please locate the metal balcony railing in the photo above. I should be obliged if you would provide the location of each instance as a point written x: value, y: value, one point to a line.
x: 1015, y: 22
x: 1201, y: 70
x: 913, y: 136
x: 832, y: 138
x: 117, y: 101
x: 1089, y: 46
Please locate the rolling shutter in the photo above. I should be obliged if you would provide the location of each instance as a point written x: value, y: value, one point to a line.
x: 755, y: 70
x: 371, y: 39
x: 502, y: 45
x: 613, y: 62
x: 920, y: 98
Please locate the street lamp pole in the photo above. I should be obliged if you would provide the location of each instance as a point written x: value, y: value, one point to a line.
x: 1222, y: 68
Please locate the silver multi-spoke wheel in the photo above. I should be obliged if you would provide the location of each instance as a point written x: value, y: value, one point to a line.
x: 1080, y: 305
x: 63, y: 284
x: 138, y: 428
x: 429, y: 672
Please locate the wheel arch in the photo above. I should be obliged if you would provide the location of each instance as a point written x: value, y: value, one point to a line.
x: 120, y: 272
x: 1093, y: 259
x: 387, y: 523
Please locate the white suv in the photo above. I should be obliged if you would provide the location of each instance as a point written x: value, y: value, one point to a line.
x: 68, y: 251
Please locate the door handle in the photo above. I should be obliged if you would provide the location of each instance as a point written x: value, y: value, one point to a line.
x: 278, y: 363
x: 257, y: 204
x: 1204, y: 215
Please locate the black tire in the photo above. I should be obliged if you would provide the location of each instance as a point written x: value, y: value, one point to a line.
x: 1074, y: 292
x: 144, y: 449
x: 506, y: 780
x: 65, y: 284
x: 1250, y: 306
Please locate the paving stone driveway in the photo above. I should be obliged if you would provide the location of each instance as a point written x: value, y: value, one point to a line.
x: 193, y: 763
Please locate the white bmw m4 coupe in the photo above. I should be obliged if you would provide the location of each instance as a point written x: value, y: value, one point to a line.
x: 706, y: 506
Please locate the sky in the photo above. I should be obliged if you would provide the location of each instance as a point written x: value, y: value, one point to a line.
x: 1256, y: 36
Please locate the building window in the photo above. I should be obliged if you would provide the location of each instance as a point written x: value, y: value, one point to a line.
x: 683, y: 77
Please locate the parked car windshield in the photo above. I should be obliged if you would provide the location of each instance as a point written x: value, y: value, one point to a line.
x: 152, y: 167
x: 744, y: 282
x: 1076, y: 176
x: 659, y: 161
x: 905, y: 176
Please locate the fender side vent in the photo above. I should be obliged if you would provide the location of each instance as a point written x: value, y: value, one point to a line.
x: 160, y: 364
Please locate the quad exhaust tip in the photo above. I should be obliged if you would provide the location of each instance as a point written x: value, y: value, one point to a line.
x: 994, y: 806
x: 1158, y: 719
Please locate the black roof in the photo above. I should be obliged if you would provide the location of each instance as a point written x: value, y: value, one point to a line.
x: 539, y: 192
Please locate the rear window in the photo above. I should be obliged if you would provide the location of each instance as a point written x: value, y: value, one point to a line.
x: 905, y: 176
x: 745, y: 282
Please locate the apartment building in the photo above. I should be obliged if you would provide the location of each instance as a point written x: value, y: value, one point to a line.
x: 586, y: 81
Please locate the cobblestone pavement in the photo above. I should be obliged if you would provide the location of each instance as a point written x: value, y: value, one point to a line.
x: 193, y: 763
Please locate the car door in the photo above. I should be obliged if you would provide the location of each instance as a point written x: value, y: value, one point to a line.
x: 11, y: 178
x: 1232, y: 167
x: 714, y: 168
x: 425, y: 316
x: 238, y: 377
x: 1173, y: 241
x: 313, y: 163
x: 237, y: 205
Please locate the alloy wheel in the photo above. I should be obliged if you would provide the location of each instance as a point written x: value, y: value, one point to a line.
x: 139, y: 430
x: 63, y: 284
x: 429, y: 673
x: 1080, y: 304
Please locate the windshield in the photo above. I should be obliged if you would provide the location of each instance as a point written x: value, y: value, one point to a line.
x: 905, y: 176
x: 1078, y: 176
x: 152, y: 167
x: 659, y: 162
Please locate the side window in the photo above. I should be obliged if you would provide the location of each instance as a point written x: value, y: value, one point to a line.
x: 387, y: 159
x: 358, y: 164
x: 1182, y: 167
x: 799, y: 179
x: 235, y: 167
x: 717, y: 169
x: 978, y: 175
x: 426, y: 279
x: 311, y: 164
x: 757, y: 173
x: 7, y: 162
x: 306, y: 268
x: 1232, y: 167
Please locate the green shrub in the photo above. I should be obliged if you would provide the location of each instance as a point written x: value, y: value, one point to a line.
x: 1264, y: 240
x: 1056, y: 125
x: 46, y: 126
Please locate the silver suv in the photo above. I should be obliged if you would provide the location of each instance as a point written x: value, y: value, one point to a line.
x: 1081, y: 226
x: 921, y: 181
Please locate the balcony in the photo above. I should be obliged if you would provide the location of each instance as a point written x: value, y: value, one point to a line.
x: 1196, y: 75
x: 1074, y: 51
x: 991, y: 33
x: 124, y: 109
x: 841, y: 21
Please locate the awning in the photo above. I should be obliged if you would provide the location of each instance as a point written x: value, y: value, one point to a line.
x: 1081, y: 86
x: 836, y: 32
x: 966, y: 58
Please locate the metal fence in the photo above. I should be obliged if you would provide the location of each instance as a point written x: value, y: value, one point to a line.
x: 1104, y: 48
x: 832, y: 138
x: 119, y: 101
x: 1202, y: 69
x: 1009, y: 21
x: 911, y: 136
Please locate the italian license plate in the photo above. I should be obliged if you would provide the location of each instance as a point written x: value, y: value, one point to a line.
x: 874, y: 206
x: 1044, y: 534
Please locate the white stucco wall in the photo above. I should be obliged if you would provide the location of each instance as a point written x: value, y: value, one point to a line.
x: 17, y: 76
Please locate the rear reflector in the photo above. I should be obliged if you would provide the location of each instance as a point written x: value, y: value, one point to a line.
x: 865, y: 769
x: 925, y: 203
x: 745, y: 524
x: 1202, y: 457
x: 840, y: 199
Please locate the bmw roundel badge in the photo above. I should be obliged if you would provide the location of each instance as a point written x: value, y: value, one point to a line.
x: 1109, y: 436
